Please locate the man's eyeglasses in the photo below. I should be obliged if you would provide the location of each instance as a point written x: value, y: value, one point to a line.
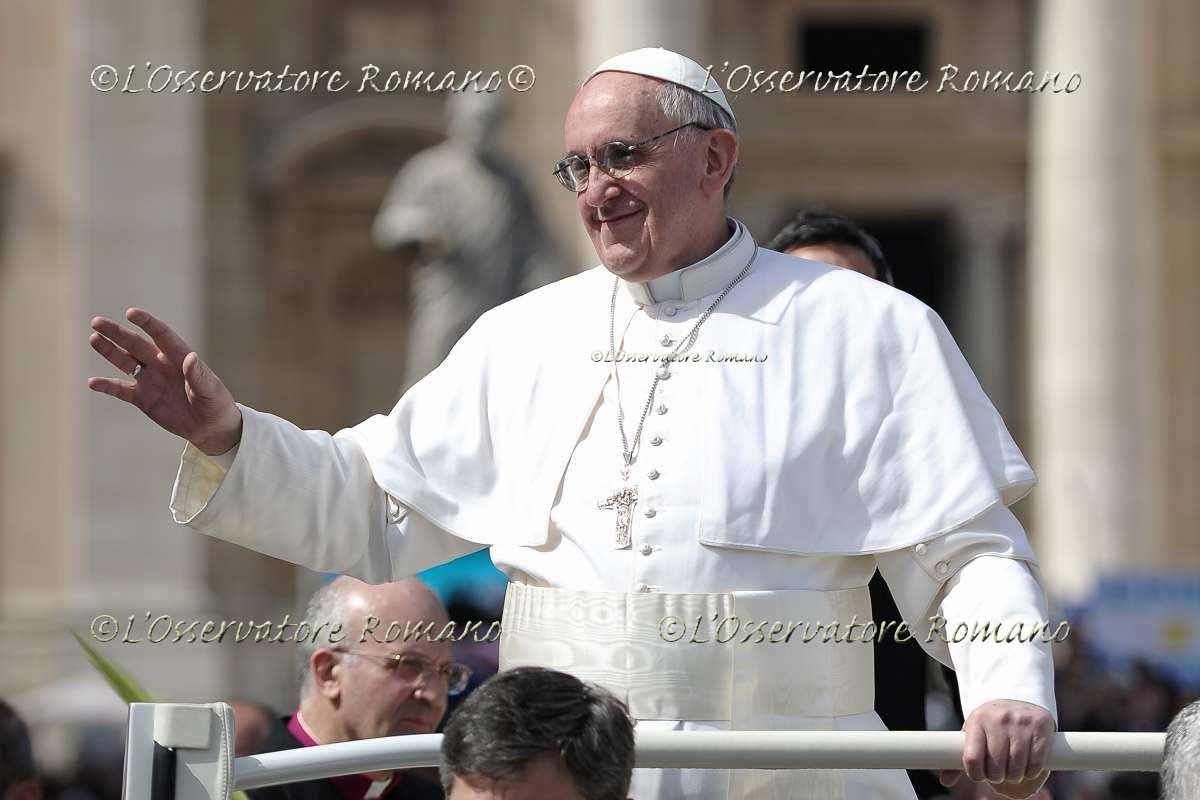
x: 409, y: 667
x: 615, y: 158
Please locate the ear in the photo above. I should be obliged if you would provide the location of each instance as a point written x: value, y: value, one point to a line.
x: 326, y: 669
x: 719, y: 160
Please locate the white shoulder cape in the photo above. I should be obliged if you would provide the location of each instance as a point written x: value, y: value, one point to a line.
x: 864, y: 431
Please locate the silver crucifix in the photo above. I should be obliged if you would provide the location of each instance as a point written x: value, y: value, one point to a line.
x: 622, y: 501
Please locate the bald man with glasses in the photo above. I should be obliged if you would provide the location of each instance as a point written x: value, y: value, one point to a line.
x: 355, y: 684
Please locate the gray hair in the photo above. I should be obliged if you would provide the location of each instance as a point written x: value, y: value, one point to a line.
x: 327, y: 607
x: 682, y: 105
x: 1181, y: 767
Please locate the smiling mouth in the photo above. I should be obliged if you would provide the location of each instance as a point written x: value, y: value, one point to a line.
x: 610, y: 220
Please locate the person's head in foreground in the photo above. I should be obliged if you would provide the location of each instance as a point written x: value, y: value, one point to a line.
x: 252, y: 723
x: 651, y: 160
x: 532, y: 734
x: 833, y: 239
x: 18, y: 776
x: 360, y: 685
x: 1181, y: 765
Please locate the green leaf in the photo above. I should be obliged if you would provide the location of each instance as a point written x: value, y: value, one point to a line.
x: 126, y: 686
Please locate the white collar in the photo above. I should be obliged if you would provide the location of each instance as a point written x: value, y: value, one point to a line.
x: 707, y: 276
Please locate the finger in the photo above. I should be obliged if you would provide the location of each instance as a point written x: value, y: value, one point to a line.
x: 1039, y: 755
x: 115, y: 355
x: 122, y: 390
x: 174, y: 347
x: 1018, y: 758
x: 949, y: 777
x: 200, y: 382
x: 974, y: 752
x: 997, y: 755
x: 137, y: 346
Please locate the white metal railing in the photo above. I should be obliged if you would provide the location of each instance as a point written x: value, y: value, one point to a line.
x: 181, y: 751
x: 713, y: 749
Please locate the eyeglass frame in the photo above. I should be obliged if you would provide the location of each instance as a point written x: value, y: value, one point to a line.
x: 560, y: 168
x: 395, y: 658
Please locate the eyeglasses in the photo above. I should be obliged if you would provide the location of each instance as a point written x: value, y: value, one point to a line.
x: 615, y: 158
x: 410, y: 668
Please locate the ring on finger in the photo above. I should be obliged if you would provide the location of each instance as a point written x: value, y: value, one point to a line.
x: 137, y: 370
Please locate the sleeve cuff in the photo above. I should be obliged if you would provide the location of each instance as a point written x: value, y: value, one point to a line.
x: 197, y: 480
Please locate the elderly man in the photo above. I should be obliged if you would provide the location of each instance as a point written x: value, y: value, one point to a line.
x: 538, y: 733
x: 355, y: 684
x: 696, y: 429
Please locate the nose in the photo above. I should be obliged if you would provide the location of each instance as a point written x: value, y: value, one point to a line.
x: 428, y: 689
x: 602, y: 188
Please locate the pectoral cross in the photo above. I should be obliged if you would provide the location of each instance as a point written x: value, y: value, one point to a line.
x: 622, y: 501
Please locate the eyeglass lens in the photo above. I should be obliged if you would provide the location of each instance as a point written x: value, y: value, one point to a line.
x: 455, y: 675
x: 615, y: 158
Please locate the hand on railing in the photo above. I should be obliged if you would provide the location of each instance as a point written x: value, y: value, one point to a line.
x: 1007, y: 744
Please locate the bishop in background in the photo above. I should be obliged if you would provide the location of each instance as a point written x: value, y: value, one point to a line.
x: 695, y: 428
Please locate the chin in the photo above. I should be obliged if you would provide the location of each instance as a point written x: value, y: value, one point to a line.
x: 620, y: 260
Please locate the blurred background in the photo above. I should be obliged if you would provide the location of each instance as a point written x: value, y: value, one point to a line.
x: 1055, y: 232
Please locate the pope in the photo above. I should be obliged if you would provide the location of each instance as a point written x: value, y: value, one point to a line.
x: 622, y: 468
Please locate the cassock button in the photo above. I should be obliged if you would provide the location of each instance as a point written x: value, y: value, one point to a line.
x: 941, y: 568
x: 671, y: 311
x: 653, y: 474
x: 650, y: 512
x: 661, y: 409
x: 921, y: 549
x: 667, y: 341
x: 647, y: 550
x: 656, y: 441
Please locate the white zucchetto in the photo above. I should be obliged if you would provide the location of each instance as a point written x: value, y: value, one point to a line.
x: 665, y: 65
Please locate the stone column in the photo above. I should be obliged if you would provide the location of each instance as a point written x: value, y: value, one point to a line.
x: 983, y: 309
x: 606, y: 29
x: 109, y: 216
x: 1092, y: 281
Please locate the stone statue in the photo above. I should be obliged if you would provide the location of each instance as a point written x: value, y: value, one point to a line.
x: 465, y: 211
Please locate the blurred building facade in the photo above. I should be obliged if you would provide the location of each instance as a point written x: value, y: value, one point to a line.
x: 1055, y: 233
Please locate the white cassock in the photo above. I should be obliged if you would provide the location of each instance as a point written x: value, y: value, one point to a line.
x: 768, y: 490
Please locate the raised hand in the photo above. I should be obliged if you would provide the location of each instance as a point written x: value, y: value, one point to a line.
x: 173, y: 386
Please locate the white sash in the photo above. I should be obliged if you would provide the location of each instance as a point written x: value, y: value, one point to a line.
x: 703, y: 656
x: 620, y: 641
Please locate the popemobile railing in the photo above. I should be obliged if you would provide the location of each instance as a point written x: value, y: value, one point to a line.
x: 178, y: 751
